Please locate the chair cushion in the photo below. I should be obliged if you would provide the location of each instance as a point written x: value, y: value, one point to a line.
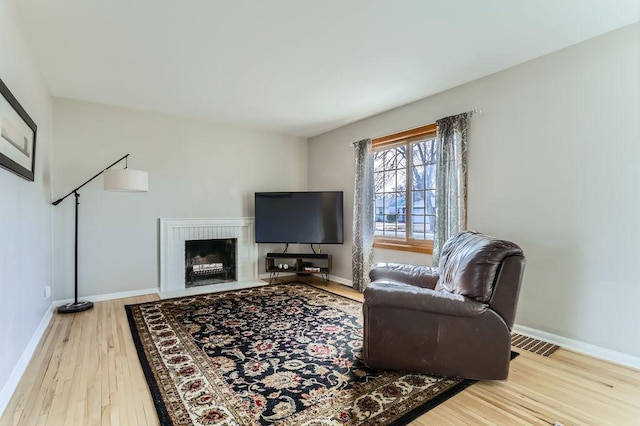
x: 393, y: 294
x: 421, y: 276
x: 469, y: 263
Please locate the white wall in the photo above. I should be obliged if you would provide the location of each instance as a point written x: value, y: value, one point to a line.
x: 196, y: 169
x: 25, y: 210
x: 554, y: 164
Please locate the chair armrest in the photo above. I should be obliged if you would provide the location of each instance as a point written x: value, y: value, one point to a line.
x: 390, y: 294
x: 421, y: 276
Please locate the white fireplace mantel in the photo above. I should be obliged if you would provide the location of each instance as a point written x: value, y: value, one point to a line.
x: 174, y: 233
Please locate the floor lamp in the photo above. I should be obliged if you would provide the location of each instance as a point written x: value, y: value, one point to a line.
x: 124, y: 180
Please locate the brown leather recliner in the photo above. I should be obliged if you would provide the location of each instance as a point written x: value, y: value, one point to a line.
x: 454, y: 320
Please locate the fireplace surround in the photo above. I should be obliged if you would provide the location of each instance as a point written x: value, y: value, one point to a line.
x: 174, y: 233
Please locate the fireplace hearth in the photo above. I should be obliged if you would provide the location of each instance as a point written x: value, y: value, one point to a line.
x: 210, y: 261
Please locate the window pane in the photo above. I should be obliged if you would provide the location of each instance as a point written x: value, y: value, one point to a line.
x: 417, y: 227
x: 391, y: 159
x: 430, y: 176
x: 423, y: 152
x: 422, y: 203
x: 417, y: 202
x: 401, y: 180
x: 389, y: 181
x: 380, y: 208
x: 418, y: 153
x: 401, y: 205
x: 400, y: 230
x: 401, y: 157
x: 422, y: 227
x: 417, y: 214
x: 430, y: 204
x: 378, y: 179
x: 390, y: 208
x: 432, y: 156
x: 390, y: 215
x: 378, y: 160
x: 417, y: 177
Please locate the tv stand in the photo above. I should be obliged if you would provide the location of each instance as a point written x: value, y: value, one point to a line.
x: 304, y: 264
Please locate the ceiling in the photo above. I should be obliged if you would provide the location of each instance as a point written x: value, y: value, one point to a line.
x: 298, y: 67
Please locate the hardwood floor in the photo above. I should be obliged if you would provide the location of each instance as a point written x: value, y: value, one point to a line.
x: 86, y: 372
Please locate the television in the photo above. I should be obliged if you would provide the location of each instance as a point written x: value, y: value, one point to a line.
x: 311, y: 217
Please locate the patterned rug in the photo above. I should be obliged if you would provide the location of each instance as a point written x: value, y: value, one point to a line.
x: 286, y: 354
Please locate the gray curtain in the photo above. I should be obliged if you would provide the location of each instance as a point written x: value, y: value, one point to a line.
x: 451, y: 180
x: 363, y: 217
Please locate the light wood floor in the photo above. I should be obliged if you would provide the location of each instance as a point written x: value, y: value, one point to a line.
x: 86, y: 372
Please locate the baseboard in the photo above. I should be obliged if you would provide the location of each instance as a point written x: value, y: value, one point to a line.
x: 110, y: 296
x: 581, y: 347
x: 16, y: 374
x: 340, y: 280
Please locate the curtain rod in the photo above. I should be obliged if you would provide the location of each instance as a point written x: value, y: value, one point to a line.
x: 474, y: 111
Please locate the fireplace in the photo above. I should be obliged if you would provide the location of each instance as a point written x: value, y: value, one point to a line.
x: 211, y: 261
x: 175, y: 234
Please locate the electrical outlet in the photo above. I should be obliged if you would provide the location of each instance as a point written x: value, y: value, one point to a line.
x: 47, y: 292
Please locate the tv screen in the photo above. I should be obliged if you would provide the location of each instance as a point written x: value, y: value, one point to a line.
x: 299, y: 217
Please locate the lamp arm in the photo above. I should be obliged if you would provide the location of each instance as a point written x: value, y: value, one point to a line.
x: 55, y: 203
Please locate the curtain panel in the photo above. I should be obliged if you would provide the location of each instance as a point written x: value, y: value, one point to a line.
x: 363, y: 215
x: 451, y: 180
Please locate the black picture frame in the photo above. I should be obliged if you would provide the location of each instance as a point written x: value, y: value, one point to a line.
x: 17, y: 136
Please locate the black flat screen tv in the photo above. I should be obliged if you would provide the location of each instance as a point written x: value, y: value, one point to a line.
x: 312, y: 217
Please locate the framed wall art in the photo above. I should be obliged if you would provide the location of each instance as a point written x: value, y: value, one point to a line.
x: 17, y: 136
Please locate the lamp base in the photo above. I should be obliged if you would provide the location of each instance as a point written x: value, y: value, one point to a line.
x: 71, y: 308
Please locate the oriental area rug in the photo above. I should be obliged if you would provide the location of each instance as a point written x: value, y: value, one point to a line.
x: 285, y: 354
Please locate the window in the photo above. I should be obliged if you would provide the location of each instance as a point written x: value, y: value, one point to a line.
x: 405, y: 183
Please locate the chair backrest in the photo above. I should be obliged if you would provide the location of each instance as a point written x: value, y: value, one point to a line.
x: 471, y: 264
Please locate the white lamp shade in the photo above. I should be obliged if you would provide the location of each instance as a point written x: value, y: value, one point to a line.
x: 126, y: 180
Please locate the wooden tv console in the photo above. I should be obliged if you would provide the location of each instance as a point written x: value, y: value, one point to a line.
x: 303, y: 264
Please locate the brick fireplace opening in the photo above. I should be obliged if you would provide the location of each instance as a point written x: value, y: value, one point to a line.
x: 210, y: 261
